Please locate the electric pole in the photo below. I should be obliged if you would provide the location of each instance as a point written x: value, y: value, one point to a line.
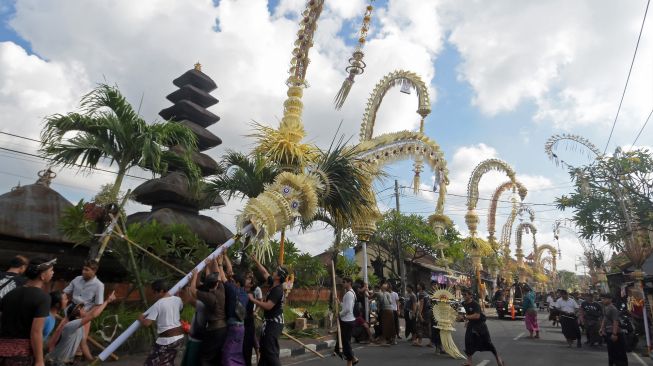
x: 401, y: 265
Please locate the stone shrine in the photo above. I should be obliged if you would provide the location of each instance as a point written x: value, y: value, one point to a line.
x: 171, y: 199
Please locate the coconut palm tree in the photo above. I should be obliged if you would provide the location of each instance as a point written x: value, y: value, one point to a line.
x: 108, y: 128
x: 242, y: 176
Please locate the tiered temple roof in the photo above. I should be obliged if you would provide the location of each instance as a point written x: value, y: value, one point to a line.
x: 172, y: 200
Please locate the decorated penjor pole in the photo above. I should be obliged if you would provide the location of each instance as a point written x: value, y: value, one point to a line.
x: 174, y: 290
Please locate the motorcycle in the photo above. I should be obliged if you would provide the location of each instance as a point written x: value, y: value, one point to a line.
x: 628, y: 328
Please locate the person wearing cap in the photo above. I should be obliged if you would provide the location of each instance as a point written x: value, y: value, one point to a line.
x: 213, y: 299
x: 86, y: 290
x: 611, y: 331
x: 272, y: 314
x: 69, y: 334
x: 568, y: 308
x: 24, y: 311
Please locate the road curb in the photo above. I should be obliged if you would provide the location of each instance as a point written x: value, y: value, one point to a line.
x: 299, y: 350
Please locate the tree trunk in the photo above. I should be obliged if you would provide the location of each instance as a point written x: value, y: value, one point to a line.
x: 115, y: 190
x: 281, y: 246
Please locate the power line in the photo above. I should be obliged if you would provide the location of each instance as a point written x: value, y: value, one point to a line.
x: 642, y: 129
x: 632, y: 62
x: 490, y: 199
x: 21, y: 137
x: 77, y: 165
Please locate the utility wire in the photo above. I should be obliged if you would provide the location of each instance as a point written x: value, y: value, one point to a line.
x: 77, y: 165
x: 632, y: 62
x: 642, y: 129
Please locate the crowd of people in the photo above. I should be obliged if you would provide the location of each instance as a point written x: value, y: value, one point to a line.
x: 420, y: 324
x: 599, y: 321
x: 41, y: 328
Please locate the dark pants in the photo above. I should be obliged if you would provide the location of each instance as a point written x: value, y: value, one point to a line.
x: 249, y: 342
x: 270, y: 344
x: 616, y: 351
x: 435, y: 334
x: 211, y: 349
x: 346, y: 329
x: 410, y: 324
x: 396, y: 315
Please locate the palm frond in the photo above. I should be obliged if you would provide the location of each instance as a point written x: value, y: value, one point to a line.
x: 348, y: 184
x: 243, y: 176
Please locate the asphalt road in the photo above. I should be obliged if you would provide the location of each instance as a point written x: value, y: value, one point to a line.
x: 510, y: 338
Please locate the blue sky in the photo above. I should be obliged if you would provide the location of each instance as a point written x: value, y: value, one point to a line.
x: 502, y: 80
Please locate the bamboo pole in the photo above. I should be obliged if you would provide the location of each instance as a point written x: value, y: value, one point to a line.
x: 95, y: 343
x: 335, y: 307
x: 106, y: 235
x: 282, y: 246
x: 152, y: 255
x: 302, y: 344
x: 178, y: 286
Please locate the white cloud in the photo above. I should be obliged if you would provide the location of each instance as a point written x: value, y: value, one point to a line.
x: 570, y: 64
x: 568, y: 58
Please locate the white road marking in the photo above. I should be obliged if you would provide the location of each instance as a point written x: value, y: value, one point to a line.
x: 483, y: 363
x: 519, y: 336
x: 639, y: 358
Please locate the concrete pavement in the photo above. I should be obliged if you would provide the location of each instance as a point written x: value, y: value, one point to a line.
x: 510, y: 338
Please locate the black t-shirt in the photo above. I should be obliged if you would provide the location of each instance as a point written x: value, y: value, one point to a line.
x: 276, y: 296
x: 473, y: 308
x: 19, y: 308
x: 592, y: 310
x: 10, y: 281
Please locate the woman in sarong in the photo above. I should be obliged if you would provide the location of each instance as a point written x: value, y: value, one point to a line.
x: 387, y: 316
x: 530, y: 313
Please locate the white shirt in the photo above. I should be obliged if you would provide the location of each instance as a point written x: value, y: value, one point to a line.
x: 568, y: 306
x: 166, y: 314
x: 549, y: 300
x: 394, y: 299
x: 347, y: 311
x: 90, y: 293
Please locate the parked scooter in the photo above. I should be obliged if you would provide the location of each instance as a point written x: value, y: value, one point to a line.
x: 628, y: 327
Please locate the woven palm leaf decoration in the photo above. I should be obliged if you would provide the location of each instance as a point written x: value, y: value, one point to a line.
x: 356, y: 64
x: 446, y: 316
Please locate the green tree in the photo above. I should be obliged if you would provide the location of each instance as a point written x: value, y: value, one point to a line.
x: 309, y: 271
x: 568, y: 280
x: 242, y: 176
x: 610, y: 193
x: 108, y: 128
x: 416, y: 238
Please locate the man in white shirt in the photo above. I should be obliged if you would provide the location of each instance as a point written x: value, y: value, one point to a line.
x: 86, y: 290
x: 347, y: 320
x: 166, y: 313
x: 394, y: 301
x: 568, y: 309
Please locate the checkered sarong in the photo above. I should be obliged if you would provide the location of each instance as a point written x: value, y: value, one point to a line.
x: 164, y: 355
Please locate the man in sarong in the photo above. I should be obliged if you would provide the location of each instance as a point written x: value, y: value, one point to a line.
x: 477, y: 335
x: 24, y: 311
x: 236, y: 311
x: 568, y: 309
x: 165, y: 313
